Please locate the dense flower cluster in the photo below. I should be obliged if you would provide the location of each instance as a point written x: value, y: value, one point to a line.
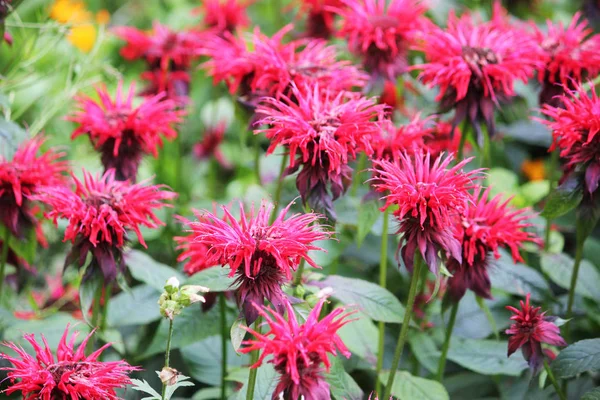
x: 389, y: 142
x: 262, y: 255
x: 320, y: 17
x: 381, y: 32
x: 122, y: 132
x: 224, y: 15
x: 323, y: 132
x: 299, y: 351
x: 68, y: 374
x: 529, y: 330
x: 475, y: 66
x: 100, y: 211
x: 487, y: 225
x: 430, y: 196
x: 21, y: 178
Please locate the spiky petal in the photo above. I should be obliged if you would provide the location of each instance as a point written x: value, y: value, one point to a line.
x: 299, y: 351
x: 529, y: 330
x: 262, y: 256
x: 430, y: 197
x: 67, y: 374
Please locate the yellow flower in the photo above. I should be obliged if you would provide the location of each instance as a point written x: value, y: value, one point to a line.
x: 83, y: 37
x: 103, y: 17
x: 534, y: 170
x: 69, y: 11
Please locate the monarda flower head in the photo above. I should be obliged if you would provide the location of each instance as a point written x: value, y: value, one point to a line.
x: 443, y: 138
x: 323, y: 132
x: 430, y: 197
x: 262, y: 256
x: 320, y: 17
x: 390, y: 141
x: 381, y: 32
x: 300, y: 352
x: 122, y: 132
x: 475, y: 66
x: 69, y: 374
x: 571, y: 54
x: 575, y: 127
x: 224, y: 15
x: 20, y: 178
x: 486, y: 225
x: 529, y: 330
x: 209, y: 145
x: 100, y: 211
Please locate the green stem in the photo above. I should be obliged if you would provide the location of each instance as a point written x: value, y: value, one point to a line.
x: 484, y: 307
x: 487, y: 158
x: 554, y: 157
x: 412, y: 294
x: 104, y: 309
x: 446, y: 346
x: 253, y: 360
x: 96, y: 312
x: 279, y: 188
x: 257, y: 160
x: 5, y: 247
x: 382, y: 282
x: 167, y: 356
x: 362, y: 163
x: 464, y: 132
x: 298, y: 276
x: 578, y: 258
x: 559, y: 392
x: 224, y: 339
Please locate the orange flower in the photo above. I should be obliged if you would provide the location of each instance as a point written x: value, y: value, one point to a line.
x: 534, y: 170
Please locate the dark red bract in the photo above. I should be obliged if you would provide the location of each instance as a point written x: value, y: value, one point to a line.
x: 300, y: 352
x: 529, y: 330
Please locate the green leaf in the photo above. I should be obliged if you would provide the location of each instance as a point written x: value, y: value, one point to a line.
x: 182, y: 381
x: 52, y: 328
x: 368, y: 213
x: 560, y: 268
x: 373, y: 300
x: 87, y: 292
x: 411, y: 387
x: 535, y: 191
x: 266, y: 382
x: 237, y: 333
x: 580, y: 357
x: 26, y: 248
x: 341, y: 384
x: 211, y: 393
x: 593, y: 394
x: 587, y: 216
x: 361, y: 337
x: 424, y: 348
x: 502, y: 181
x: 203, y: 359
x: 136, y: 307
x: 190, y: 326
x: 487, y: 357
x: 518, y: 279
x: 143, y: 386
x: 564, y: 198
x: 145, y: 269
x: 215, y: 278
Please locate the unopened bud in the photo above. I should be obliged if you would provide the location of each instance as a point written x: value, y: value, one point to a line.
x: 172, y: 285
x: 168, y: 376
x: 325, y: 292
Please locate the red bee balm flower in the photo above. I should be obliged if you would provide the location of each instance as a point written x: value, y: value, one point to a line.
x: 529, y: 330
x: 71, y: 374
x: 390, y: 142
x: 571, y: 53
x: 20, y: 178
x: 299, y: 351
x: 193, y: 253
x: 487, y: 224
x: 575, y: 126
x: 122, y: 132
x: 320, y: 17
x: 430, y: 197
x: 225, y: 15
x: 380, y: 31
x: 475, y: 65
x: 326, y: 130
x: 100, y: 211
x: 261, y: 255
x: 443, y: 139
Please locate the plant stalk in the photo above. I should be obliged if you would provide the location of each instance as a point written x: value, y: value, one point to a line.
x: 578, y: 258
x: 360, y: 166
x: 554, y: 156
x: 446, y: 346
x: 412, y: 294
x: 559, y: 392
x: 278, y: 189
x: 382, y: 282
x: 4, y: 258
x: 167, y: 356
x: 464, y: 132
x: 253, y: 360
x: 486, y: 310
x: 224, y: 338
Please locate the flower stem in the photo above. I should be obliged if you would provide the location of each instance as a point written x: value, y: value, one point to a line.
x: 446, y: 346
x: 484, y: 307
x: 279, y: 188
x: 4, y: 258
x: 412, y: 293
x: 224, y: 338
x: 554, y: 156
x: 253, y: 360
x: 257, y: 160
x: 559, y: 392
x: 578, y: 258
x: 104, y: 309
x: 167, y: 356
x: 464, y: 131
x: 362, y: 163
x: 382, y: 282
x: 298, y: 276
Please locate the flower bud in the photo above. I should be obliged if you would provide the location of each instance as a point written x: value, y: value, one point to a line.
x: 168, y: 375
x: 172, y: 285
